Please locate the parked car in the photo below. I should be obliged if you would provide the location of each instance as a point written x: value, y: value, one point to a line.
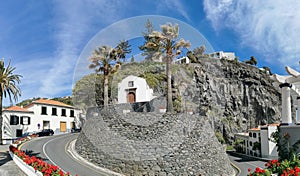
x: 75, y: 130
x: 29, y: 134
x: 45, y: 132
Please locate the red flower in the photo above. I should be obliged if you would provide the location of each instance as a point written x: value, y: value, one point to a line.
x: 38, y: 164
x: 291, y: 172
x: 249, y: 170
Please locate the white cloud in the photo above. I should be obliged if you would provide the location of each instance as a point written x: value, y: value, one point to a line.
x: 270, y: 26
x: 74, y: 21
x: 33, y: 71
x: 174, y: 5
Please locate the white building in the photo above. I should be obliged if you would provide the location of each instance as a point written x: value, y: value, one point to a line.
x: 243, y: 137
x: 256, y: 142
x: 223, y: 55
x: 40, y: 114
x: 183, y: 60
x: 134, y: 89
x: 16, y: 121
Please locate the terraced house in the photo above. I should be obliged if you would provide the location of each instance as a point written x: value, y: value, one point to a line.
x: 40, y: 114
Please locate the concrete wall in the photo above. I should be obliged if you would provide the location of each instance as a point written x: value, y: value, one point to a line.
x: 268, y: 148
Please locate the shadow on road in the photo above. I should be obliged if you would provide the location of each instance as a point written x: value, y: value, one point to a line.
x: 244, y: 158
x: 4, y: 158
x: 36, y: 154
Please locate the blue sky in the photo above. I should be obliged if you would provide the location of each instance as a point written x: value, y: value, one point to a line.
x: 45, y: 39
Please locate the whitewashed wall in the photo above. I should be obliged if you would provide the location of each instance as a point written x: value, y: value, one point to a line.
x: 143, y: 91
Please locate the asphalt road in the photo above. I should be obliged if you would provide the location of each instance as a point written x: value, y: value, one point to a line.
x: 244, y: 162
x: 53, y: 150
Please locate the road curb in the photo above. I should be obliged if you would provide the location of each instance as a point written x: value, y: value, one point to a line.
x: 237, y: 168
x: 71, y: 150
x: 258, y: 158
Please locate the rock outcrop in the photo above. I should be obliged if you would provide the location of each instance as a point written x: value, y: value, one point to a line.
x: 233, y: 95
x: 221, y: 95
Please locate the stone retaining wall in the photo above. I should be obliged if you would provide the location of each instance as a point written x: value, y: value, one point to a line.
x: 152, y: 144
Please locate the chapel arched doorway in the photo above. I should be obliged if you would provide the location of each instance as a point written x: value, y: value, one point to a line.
x: 131, y: 97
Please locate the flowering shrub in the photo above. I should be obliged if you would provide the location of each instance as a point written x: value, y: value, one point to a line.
x: 273, y: 166
x: 259, y: 172
x: 38, y: 164
x: 285, y: 168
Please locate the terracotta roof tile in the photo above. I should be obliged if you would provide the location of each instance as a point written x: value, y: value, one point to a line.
x: 52, y: 102
x: 273, y: 124
x: 254, y: 129
x: 17, y: 108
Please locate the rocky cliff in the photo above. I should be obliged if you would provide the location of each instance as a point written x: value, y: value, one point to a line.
x: 213, y: 95
x: 233, y: 95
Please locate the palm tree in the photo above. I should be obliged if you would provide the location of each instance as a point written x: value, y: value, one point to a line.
x: 8, y: 87
x: 107, y: 60
x: 166, y: 43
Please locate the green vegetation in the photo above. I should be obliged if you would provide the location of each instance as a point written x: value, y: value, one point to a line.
x: 289, y: 161
x: 256, y: 146
x: 229, y: 147
x: 88, y: 91
x: 67, y: 100
x: 238, y: 145
x: 164, y: 43
x: 252, y: 61
x: 27, y: 102
x: 153, y: 79
x: 8, y: 87
x: 220, y: 137
x: 107, y: 60
x: 286, y: 151
x: 197, y: 54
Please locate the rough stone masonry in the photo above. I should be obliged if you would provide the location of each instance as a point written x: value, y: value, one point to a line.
x: 171, y: 144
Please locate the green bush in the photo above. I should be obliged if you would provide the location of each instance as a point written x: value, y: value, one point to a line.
x: 220, y: 137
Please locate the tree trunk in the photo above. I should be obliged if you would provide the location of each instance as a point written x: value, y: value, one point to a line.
x: 105, y: 96
x: 1, y: 120
x: 169, y: 85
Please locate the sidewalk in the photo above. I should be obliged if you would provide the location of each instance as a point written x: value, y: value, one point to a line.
x: 7, y: 165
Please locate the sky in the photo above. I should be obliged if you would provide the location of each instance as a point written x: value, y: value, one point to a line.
x: 46, y: 40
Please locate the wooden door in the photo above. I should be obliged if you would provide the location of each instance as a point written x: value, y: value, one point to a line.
x: 131, y: 97
x: 63, y: 126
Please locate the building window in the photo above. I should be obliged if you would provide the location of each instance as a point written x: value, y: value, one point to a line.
x: 250, y: 143
x: 130, y: 84
x: 54, y: 111
x: 14, y: 120
x: 250, y: 134
x: 44, y: 110
x: 254, y: 135
x: 25, y: 120
x: 63, y: 112
x: 71, y: 113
